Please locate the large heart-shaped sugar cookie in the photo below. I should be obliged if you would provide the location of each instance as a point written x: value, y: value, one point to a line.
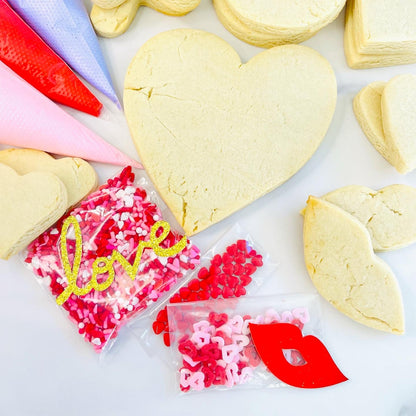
x: 388, y: 214
x: 29, y: 205
x: 343, y: 267
x: 112, y: 18
x: 78, y: 176
x: 215, y: 134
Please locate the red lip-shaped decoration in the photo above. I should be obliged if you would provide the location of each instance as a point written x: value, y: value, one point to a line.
x: 319, y: 369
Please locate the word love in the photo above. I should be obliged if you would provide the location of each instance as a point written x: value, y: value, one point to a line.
x: 104, y: 265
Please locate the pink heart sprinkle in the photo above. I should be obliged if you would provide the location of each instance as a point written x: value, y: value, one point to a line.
x: 226, y: 329
x: 241, y: 341
x: 302, y: 314
x: 236, y: 324
x: 200, y: 338
x: 190, y: 361
x: 246, y: 329
x: 231, y: 374
x: 219, y: 341
x: 196, y: 381
x: 229, y: 352
x: 185, y: 376
x: 287, y: 317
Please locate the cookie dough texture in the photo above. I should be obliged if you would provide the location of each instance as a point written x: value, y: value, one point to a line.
x: 343, y: 267
x: 268, y: 23
x: 389, y: 214
x: 112, y: 18
x: 387, y: 115
x: 78, y: 176
x: 29, y: 205
x: 380, y: 33
x: 215, y: 134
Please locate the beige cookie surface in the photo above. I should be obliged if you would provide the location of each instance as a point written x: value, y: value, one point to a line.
x: 385, y: 27
x: 275, y: 22
x: 343, y: 267
x: 357, y: 60
x: 112, y: 18
x: 388, y: 214
x: 215, y: 134
x: 29, y: 205
x: 78, y: 176
x: 398, y: 107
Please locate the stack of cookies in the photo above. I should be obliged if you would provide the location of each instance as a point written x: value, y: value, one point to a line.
x: 380, y: 33
x: 268, y: 23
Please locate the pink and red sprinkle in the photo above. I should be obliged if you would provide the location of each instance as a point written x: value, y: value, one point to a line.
x: 219, y: 351
x: 226, y: 277
x: 115, y: 217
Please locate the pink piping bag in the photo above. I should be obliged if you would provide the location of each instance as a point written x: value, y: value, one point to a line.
x: 31, y: 120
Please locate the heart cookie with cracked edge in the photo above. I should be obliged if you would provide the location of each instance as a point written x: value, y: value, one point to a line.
x: 215, y: 134
x: 29, y: 205
x: 112, y: 18
x: 77, y: 175
x: 344, y: 269
x: 267, y: 24
x: 388, y: 214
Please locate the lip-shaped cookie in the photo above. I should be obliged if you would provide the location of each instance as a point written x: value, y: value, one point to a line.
x: 215, y: 134
x: 388, y: 214
x: 112, y: 18
x: 343, y: 267
x: 77, y: 175
x: 29, y: 205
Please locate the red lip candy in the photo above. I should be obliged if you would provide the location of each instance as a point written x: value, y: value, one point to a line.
x: 318, y: 371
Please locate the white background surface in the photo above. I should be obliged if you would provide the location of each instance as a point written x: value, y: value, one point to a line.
x: 47, y: 369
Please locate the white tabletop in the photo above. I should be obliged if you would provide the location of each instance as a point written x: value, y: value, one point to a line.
x: 47, y: 369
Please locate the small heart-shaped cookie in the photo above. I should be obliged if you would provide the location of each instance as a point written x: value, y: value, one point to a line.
x: 386, y: 113
x: 340, y: 260
x: 215, y: 134
x: 112, y: 18
x: 389, y: 214
x: 78, y: 176
x: 29, y: 205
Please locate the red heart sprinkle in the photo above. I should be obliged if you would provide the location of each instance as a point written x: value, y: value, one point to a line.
x: 158, y: 327
x: 245, y: 280
x: 226, y: 258
x: 215, y: 292
x: 228, y: 268
x: 222, y: 279
x: 194, y: 285
x: 216, y: 260
x: 227, y: 292
x: 249, y: 269
x: 184, y: 292
x: 242, y: 245
x: 257, y: 260
x: 217, y: 319
x: 232, y: 281
x: 203, y: 273
x: 162, y: 316
x: 232, y: 250
x: 166, y: 339
x: 240, y: 258
x: 239, y: 291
